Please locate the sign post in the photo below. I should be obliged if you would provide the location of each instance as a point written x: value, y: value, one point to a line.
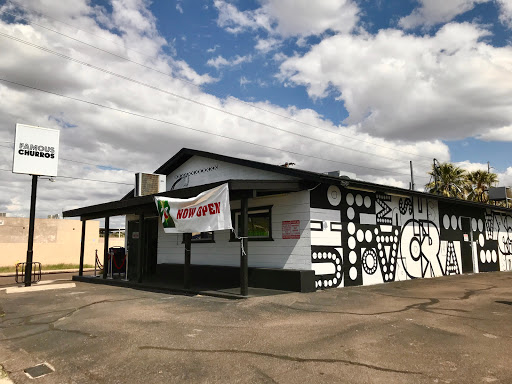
x: 36, y: 152
x: 30, y: 247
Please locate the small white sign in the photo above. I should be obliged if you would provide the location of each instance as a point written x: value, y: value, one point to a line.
x: 36, y: 150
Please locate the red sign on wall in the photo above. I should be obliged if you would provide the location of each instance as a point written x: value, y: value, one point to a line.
x: 291, y: 229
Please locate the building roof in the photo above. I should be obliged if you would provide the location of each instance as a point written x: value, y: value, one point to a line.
x: 306, y: 177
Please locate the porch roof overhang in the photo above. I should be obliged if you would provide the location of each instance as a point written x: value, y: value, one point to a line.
x: 146, y: 204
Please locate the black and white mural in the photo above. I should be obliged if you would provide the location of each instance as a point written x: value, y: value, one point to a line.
x: 360, y: 237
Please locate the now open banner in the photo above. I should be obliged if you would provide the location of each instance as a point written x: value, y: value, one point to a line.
x: 208, y: 211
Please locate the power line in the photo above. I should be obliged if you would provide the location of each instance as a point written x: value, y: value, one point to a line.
x: 80, y: 162
x: 101, y: 181
x: 236, y: 99
x: 80, y: 178
x: 98, y: 165
x: 69, y: 25
x: 189, y: 99
x: 196, y: 129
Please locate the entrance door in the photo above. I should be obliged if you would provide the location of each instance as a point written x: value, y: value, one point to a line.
x: 133, y: 247
x: 150, y: 239
x: 151, y: 245
x: 466, y: 245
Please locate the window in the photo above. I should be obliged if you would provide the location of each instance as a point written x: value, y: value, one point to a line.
x: 260, y: 223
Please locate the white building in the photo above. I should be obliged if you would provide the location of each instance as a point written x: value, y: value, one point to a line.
x: 308, y: 230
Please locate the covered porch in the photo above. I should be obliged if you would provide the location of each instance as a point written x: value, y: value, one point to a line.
x: 216, y: 280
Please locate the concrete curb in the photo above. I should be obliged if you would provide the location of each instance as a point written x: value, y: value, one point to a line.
x: 50, y: 272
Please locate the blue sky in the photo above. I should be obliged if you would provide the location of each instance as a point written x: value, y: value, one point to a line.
x: 357, y: 85
x: 193, y: 28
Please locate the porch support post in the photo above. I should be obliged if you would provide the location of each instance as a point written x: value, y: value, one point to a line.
x: 244, y: 230
x: 82, y: 249
x: 187, y: 237
x: 140, y: 248
x: 105, y: 247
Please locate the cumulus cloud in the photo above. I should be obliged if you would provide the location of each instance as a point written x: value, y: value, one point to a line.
x: 433, y: 12
x: 497, y: 134
x: 506, y: 12
x: 213, y: 49
x: 288, y: 18
x: 220, y: 61
x: 504, y: 178
x: 267, y: 45
x: 124, y: 144
x: 450, y: 85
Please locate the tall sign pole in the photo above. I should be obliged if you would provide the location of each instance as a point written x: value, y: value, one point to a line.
x: 30, y: 248
x: 36, y: 153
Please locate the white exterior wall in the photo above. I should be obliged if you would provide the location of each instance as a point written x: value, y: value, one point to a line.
x: 201, y: 171
x: 280, y: 253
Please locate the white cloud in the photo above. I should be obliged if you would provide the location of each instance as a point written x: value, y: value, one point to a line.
x: 470, y: 166
x: 504, y: 178
x: 290, y: 17
x: 267, y: 45
x: 506, y: 12
x: 497, y: 134
x: 244, y: 81
x: 179, y: 7
x: 213, y: 49
x: 220, y: 61
x: 102, y: 136
x: 447, y: 86
x: 279, y: 56
x: 235, y: 21
x: 433, y: 12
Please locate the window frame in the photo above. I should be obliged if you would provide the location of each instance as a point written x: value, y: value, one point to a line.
x: 255, y: 211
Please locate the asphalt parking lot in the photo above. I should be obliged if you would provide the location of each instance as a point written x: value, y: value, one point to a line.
x: 444, y: 330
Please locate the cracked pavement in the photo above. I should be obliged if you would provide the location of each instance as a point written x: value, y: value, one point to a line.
x: 446, y: 330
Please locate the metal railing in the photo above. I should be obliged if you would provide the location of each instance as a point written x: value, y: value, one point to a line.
x: 20, y: 272
x: 97, y: 265
x: 120, y: 269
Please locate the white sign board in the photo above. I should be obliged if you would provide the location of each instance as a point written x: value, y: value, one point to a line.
x: 36, y: 150
x: 208, y: 211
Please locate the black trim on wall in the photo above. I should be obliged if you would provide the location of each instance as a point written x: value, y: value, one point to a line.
x: 317, y: 222
x: 225, y: 276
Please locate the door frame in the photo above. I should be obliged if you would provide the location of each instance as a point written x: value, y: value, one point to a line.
x: 473, y: 253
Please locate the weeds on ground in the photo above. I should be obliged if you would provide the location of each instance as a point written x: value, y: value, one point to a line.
x: 47, y: 267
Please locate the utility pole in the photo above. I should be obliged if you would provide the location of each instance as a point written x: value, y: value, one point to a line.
x: 436, y: 176
x: 412, y: 176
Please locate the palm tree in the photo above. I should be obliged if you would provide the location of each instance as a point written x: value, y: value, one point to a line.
x: 450, y: 180
x: 478, y: 183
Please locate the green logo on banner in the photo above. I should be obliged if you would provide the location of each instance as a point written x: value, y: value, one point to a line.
x: 163, y: 211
